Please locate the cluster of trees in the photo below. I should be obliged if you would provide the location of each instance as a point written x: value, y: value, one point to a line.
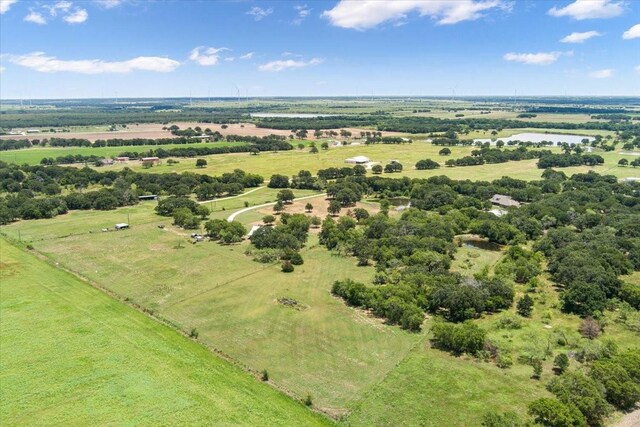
x: 34, y: 191
x: 588, y: 243
x: 387, y: 140
x: 586, y: 399
x: 225, y: 231
x: 282, y: 241
x: 496, y: 155
x: 565, y: 160
x: 427, y: 164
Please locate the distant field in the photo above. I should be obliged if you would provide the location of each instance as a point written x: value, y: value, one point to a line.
x: 291, y: 162
x: 32, y: 156
x: 72, y: 355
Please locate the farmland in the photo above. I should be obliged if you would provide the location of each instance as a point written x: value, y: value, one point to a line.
x: 352, y: 364
x: 126, y: 367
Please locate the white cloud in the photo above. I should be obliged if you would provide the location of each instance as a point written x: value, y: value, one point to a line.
x: 601, y: 74
x: 580, y: 37
x: 363, y: 14
x: 5, y: 5
x: 541, y: 58
x: 632, y: 33
x: 108, y: 4
x: 247, y: 55
x: 3, y: 68
x: 288, y: 64
x: 303, y: 12
x: 637, y: 68
x: 589, y: 9
x: 77, y: 17
x: 35, y: 18
x: 39, y: 61
x: 259, y: 13
x: 53, y: 9
x: 206, y: 55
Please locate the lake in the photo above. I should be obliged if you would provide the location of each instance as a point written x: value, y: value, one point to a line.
x: 556, y: 138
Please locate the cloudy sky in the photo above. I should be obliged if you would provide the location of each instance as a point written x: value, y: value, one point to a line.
x: 138, y: 48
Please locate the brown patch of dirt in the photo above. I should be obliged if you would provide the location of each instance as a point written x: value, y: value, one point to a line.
x: 320, y: 205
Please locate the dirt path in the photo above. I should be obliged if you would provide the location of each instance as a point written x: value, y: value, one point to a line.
x: 630, y: 420
x: 241, y: 211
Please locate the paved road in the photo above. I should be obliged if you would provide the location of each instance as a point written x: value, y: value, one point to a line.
x: 241, y: 211
x: 232, y: 197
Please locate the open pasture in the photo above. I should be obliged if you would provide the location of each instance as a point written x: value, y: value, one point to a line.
x: 291, y: 162
x: 72, y: 355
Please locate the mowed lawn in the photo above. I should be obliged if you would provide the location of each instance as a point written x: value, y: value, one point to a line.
x: 71, y: 355
x: 326, y: 349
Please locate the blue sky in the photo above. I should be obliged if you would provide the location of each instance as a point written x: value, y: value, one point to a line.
x: 79, y: 49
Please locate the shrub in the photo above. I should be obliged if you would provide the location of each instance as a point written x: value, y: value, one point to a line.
x: 287, y: 266
x: 265, y: 375
x: 463, y: 338
x: 561, y: 363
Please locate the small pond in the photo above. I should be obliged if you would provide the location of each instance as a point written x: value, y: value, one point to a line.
x: 555, y: 138
x: 470, y: 242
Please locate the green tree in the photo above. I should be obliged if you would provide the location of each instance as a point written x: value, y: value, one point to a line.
x: 553, y: 413
x: 445, y: 151
x: 334, y: 207
x: 201, y: 163
x: 268, y: 219
x: 525, y: 306
x: 376, y: 169
x: 574, y: 388
x: 285, y: 196
x: 561, y: 363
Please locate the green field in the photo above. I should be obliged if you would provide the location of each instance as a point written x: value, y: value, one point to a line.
x: 354, y: 366
x: 72, y: 355
x: 291, y: 162
x: 32, y: 156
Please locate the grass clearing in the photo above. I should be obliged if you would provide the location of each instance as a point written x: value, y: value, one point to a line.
x: 72, y: 355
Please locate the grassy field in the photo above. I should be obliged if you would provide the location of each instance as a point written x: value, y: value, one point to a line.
x: 72, y: 355
x: 327, y: 349
x: 353, y: 365
x: 32, y: 156
x: 291, y: 162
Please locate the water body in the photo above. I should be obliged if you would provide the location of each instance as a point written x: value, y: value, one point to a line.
x: 480, y: 244
x: 291, y: 115
x: 555, y: 138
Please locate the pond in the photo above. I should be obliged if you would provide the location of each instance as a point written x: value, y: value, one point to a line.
x: 556, y: 138
x: 470, y: 242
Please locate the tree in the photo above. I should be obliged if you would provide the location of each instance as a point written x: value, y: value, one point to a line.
x: 268, y: 219
x: 287, y: 266
x: 360, y: 214
x: 376, y: 169
x: 561, y: 363
x: 278, y: 207
x: 620, y: 388
x: 314, y: 150
x: 537, y: 368
x: 553, y: 413
x: 525, y: 306
x: 324, y: 145
x: 308, y: 207
x: 315, y: 221
x: 201, y: 163
x: 574, y: 388
x: 590, y: 328
x: 265, y: 375
x: 334, y: 207
x: 278, y: 181
x: 623, y: 162
x: 445, y: 151
x: 285, y: 196
x: 507, y: 419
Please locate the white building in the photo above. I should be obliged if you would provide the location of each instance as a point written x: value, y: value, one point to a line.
x: 358, y: 160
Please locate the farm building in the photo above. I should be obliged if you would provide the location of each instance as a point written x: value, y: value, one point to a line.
x: 504, y: 201
x: 150, y: 160
x: 122, y: 226
x: 148, y: 197
x: 122, y: 159
x: 358, y: 160
x: 106, y: 161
